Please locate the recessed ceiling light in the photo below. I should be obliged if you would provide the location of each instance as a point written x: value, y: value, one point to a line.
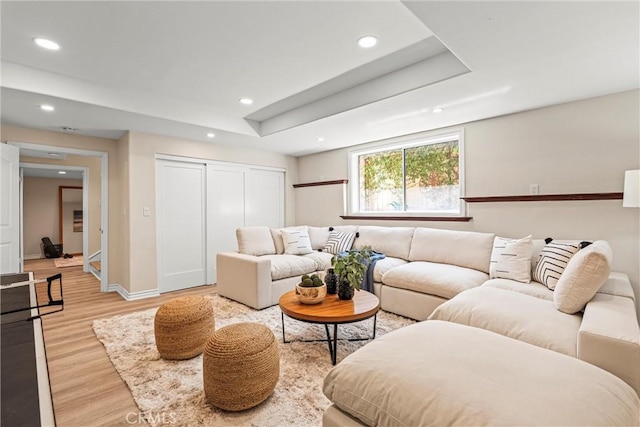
x: 211, y: 135
x: 54, y: 154
x: 46, y: 107
x: 438, y: 110
x: 367, y: 41
x: 320, y: 139
x: 62, y: 172
x: 246, y: 101
x: 47, y: 44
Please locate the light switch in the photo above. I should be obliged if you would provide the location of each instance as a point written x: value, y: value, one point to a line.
x: 146, y: 211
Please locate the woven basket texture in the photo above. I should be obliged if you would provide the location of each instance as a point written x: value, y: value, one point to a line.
x: 241, y: 366
x: 183, y: 326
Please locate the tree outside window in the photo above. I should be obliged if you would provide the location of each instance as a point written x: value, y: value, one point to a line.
x: 417, y: 178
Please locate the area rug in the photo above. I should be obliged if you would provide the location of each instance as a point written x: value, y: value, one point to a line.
x: 173, y: 390
x: 68, y: 262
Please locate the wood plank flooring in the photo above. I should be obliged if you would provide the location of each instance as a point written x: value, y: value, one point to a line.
x: 86, y: 389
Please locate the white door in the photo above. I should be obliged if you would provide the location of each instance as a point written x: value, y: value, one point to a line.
x: 181, y: 225
x: 10, y: 210
x: 225, y: 211
x: 265, y: 198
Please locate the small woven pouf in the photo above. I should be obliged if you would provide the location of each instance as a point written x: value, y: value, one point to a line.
x: 241, y: 366
x: 183, y: 326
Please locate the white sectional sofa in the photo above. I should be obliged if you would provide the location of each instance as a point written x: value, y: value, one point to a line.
x: 446, y: 275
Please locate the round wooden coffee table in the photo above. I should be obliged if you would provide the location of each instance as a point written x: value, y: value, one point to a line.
x: 331, y: 311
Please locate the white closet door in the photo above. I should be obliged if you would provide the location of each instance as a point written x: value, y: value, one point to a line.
x: 9, y: 210
x: 265, y: 198
x: 181, y: 225
x: 225, y: 211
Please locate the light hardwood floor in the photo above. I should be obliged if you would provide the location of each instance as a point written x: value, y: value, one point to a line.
x: 86, y: 389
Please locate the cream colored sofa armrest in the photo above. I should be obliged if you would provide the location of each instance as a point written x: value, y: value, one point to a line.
x: 609, y: 337
x: 244, y: 278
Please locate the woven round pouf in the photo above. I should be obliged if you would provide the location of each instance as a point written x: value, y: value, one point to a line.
x: 241, y: 366
x: 183, y: 326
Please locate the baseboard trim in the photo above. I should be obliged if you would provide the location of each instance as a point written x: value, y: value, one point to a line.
x: 132, y: 296
x: 33, y: 256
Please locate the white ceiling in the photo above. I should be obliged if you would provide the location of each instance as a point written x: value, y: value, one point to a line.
x: 179, y: 68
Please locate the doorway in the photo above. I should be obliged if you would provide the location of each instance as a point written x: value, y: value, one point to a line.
x: 99, y: 186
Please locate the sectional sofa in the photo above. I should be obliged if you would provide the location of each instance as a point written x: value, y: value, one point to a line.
x: 458, y: 277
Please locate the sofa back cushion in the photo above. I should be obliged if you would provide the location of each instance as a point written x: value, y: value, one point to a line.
x: 391, y: 241
x: 586, y: 272
x: 255, y: 241
x: 462, y: 248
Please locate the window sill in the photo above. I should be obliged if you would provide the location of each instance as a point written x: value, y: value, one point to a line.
x: 408, y: 218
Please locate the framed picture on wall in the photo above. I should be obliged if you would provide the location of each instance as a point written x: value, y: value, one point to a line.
x: 77, y: 221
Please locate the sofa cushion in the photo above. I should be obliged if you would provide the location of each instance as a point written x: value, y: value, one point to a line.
x: 385, y: 264
x: 276, y: 234
x: 284, y: 266
x: 511, y: 259
x: 339, y: 242
x: 391, y: 241
x: 255, y: 241
x: 319, y: 237
x: 322, y: 259
x: 586, y: 272
x: 533, y: 289
x: 514, y: 315
x: 296, y: 242
x: 439, y: 373
x: 442, y: 280
x: 553, y: 260
x: 461, y: 248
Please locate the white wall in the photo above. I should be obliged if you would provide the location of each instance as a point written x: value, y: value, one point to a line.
x: 41, y: 214
x: 578, y: 147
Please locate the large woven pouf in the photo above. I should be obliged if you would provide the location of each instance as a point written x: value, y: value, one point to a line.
x: 241, y: 366
x: 183, y: 326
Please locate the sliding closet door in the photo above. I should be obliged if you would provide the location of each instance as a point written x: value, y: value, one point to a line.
x: 181, y: 225
x: 265, y: 198
x: 225, y: 211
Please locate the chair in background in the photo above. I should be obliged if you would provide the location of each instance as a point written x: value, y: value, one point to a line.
x: 50, y: 250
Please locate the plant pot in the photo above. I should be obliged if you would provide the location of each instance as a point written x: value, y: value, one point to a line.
x: 331, y: 280
x: 311, y: 295
x: 345, y: 291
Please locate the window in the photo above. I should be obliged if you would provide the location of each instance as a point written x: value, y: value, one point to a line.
x: 416, y: 177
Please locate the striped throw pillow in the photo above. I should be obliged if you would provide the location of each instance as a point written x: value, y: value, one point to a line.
x: 339, y: 242
x: 553, y: 260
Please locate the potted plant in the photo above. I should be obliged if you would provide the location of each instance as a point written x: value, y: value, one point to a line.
x: 311, y: 289
x: 350, y: 269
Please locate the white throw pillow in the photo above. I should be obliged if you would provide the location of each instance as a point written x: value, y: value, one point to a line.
x: 553, y: 260
x: 255, y: 241
x: 319, y: 237
x: 339, y: 242
x: 296, y: 242
x: 511, y: 259
x: 585, y: 274
x: 276, y: 233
